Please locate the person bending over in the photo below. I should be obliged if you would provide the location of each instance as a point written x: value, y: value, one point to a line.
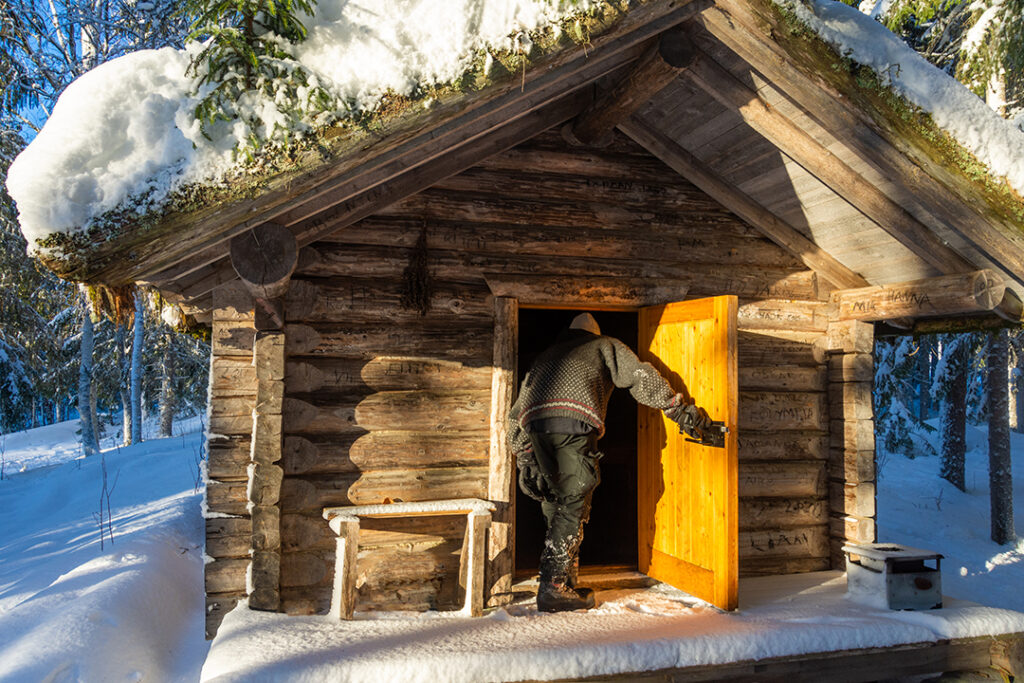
x: 554, y: 427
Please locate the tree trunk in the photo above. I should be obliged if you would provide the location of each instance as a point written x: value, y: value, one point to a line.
x: 86, y: 412
x: 953, y: 416
x: 122, y: 384
x: 167, y: 398
x: 1000, y: 477
x: 1018, y: 394
x: 924, y: 376
x: 137, y: 341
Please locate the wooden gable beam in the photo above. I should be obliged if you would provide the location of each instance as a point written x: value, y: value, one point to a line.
x: 740, y: 28
x: 773, y: 227
x: 791, y: 140
x: 659, y: 66
x: 975, y: 292
x: 264, y: 259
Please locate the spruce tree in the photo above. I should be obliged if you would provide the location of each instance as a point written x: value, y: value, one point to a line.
x: 950, y: 388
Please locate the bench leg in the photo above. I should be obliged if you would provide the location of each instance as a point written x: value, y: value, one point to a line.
x: 343, y: 597
x: 471, y: 567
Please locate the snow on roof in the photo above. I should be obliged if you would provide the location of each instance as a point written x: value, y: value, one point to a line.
x: 996, y: 142
x: 124, y: 134
x: 630, y: 631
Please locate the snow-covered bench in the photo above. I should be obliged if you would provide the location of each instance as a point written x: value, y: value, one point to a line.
x: 344, y: 521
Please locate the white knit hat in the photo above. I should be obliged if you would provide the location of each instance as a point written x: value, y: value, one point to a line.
x: 585, y: 321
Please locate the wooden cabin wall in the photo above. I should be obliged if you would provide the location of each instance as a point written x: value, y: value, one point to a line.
x: 384, y: 401
x: 233, y: 389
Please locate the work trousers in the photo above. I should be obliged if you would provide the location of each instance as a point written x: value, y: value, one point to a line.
x: 563, y: 481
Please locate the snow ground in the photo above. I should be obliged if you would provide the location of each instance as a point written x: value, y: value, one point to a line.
x: 71, y: 611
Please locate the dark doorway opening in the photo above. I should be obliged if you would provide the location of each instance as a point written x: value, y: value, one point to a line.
x: 610, y: 538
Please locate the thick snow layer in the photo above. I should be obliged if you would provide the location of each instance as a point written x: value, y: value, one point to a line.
x: 630, y: 631
x: 125, y: 130
x: 71, y: 611
x: 996, y: 142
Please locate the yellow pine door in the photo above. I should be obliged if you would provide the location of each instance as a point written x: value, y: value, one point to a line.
x: 688, y: 500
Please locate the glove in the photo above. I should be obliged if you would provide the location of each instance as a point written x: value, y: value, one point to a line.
x: 526, y: 459
x: 531, y: 481
x: 691, y: 418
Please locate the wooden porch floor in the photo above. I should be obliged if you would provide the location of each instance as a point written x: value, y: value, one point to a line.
x: 794, y: 628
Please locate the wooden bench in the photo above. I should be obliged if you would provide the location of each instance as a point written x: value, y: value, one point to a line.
x: 344, y: 521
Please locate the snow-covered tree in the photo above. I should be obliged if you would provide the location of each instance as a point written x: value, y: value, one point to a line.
x: 86, y: 393
x: 897, y: 424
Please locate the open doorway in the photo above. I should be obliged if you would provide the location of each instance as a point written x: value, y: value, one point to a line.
x: 610, y: 538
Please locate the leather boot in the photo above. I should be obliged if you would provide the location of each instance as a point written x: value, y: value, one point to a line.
x: 558, y: 597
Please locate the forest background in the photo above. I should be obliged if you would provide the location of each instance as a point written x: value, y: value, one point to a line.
x: 112, y: 357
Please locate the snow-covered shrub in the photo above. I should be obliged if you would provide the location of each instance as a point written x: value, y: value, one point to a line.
x: 897, y: 425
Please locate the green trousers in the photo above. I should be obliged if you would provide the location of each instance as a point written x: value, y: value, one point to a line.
x: 564, y: 481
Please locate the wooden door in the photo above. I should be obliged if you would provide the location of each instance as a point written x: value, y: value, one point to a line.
x: 688, y: 500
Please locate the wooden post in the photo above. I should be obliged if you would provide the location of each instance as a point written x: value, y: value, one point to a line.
x: 658, y: 67
x: 343, y: 597
x: 851, y: 464
x: 471, y: 567
x: 501, y: 482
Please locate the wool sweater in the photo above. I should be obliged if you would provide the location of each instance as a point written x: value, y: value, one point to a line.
x: 575, y: 377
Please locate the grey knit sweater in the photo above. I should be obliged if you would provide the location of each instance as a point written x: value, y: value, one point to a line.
x: 574, y: 378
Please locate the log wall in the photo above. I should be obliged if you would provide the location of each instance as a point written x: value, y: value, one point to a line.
x: 383, y: 402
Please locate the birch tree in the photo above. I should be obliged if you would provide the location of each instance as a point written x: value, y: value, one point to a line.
x: 86, y: 394
x: 136, y: 370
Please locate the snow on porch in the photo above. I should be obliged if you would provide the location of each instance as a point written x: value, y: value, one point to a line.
x: 630, y: 630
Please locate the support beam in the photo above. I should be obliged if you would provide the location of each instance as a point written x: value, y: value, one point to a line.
x: 773, y: 227
x: 791, y: 140
x: 659, y: 66
x: 501, y: 484
x: 975, y: 292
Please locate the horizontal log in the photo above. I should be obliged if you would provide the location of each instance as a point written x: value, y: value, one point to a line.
x: 306, y: 568
x: 851, y: 400
x: 227, y: 458
x: 791, y: 479
x: 852, y: 467
x: 382, y: 246
x: 264, y: 580
x: 758, y: 349
x: 810, y: 541
x: 460, y: 411
x: 854, y: 500
x: 851, y: 367
x: 225, y: 576
x: 264, y: 258
x: 973, y: 292
x: 768, y: 566
x: 783, y: 378
x: 232, y: 339
x: 762, y: 410
x: 228, y: 498
x: 773, y: 314
x: 853, y: 435
x: 766, y: 514
x: 383, y: 373
x: 232, y: 376
x: 266, y: 528
x: 784, y: 445
x: 232, y: 302
x: 230, y: 426
x: 853, y: 529
x: 383, y: 450
x: 348, y: 299
x: 311, y: 494
x: 850, y: 336
x: 232, y: 407
x: 427, y: 339
x: 311, y: 532
x: 264, y: 484
x: 394, y: 579
x: 228, y: 537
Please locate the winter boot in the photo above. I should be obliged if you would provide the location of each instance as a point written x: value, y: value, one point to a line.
x: 558, y: 597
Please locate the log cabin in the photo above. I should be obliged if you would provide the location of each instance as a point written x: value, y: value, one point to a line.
x: 723, y: 190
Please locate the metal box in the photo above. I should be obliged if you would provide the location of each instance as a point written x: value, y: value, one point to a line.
x: 893, y: 576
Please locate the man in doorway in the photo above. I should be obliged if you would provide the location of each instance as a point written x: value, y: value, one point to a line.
x: 554, y: 427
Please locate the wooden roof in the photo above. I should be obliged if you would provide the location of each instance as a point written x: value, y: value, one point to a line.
x: 767, y: 119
